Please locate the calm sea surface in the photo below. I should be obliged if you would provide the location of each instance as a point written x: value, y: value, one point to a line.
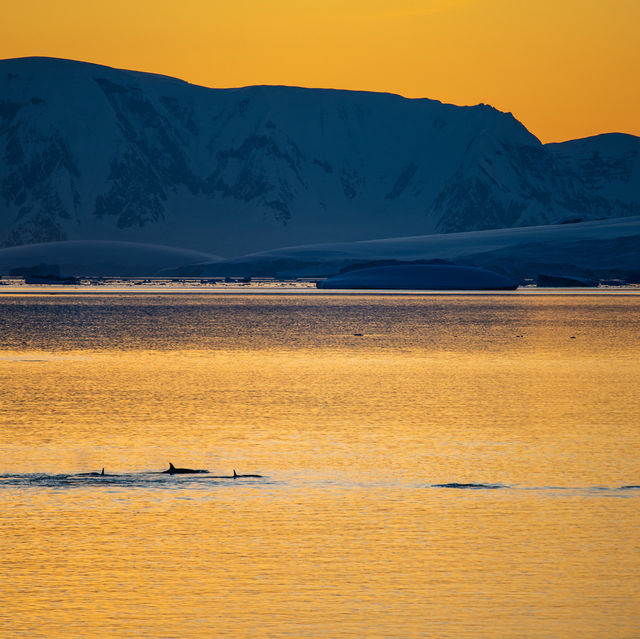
x: 433, y: 466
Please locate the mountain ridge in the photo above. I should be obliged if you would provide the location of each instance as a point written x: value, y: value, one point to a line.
x: 89, y: 152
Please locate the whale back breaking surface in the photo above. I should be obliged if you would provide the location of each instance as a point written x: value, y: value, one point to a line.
x: 236, y: 476
x: 172, y: 470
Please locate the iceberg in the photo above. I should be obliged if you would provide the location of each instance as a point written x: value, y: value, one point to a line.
x: 565, y: 281
x: 429, y: 277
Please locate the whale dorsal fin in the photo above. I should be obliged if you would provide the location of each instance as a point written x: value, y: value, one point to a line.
x: 102, y: 473
x: 234, y: 473
x: 171, y: 466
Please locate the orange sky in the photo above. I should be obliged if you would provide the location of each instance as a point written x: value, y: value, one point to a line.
x: 565, y: 68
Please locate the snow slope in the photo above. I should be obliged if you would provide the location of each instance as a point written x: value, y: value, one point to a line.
x: 100, y: 258
x: 605, y: 248
x: 93, y: 153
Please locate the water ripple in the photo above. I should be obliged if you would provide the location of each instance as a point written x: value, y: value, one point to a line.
x: 471, y: 485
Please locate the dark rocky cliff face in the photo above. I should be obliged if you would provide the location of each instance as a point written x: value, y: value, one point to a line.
x: 89, y: 152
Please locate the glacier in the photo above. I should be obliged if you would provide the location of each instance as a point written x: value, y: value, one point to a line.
x: 596, y: 249
x: 100, y: 258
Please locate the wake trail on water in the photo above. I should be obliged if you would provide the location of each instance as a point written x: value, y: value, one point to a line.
x: 126, y: 480
x: 203, y: 481
x: 593, y: 490
x: 471, y: 486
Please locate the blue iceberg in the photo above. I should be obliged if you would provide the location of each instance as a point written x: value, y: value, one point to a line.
x: 428, y: 277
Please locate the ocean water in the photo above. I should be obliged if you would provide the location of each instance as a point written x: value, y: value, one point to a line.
x: 431, y: 465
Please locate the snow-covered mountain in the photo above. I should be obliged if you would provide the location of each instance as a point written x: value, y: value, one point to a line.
x: 93, y: 153
x: 608, y: 165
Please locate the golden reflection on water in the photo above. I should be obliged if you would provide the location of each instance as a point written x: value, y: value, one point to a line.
x: 346, y: 536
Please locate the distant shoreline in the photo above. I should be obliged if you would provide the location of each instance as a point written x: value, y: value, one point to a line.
x: 292, y: 287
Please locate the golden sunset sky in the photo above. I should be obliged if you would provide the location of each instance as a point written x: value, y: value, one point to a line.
x: 565, y: 68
